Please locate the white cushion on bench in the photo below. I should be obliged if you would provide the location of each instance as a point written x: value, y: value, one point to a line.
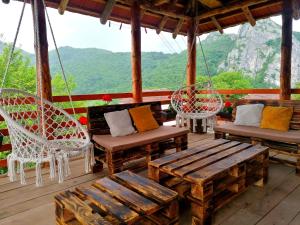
x: 138, y: 139
x: 291, y: 136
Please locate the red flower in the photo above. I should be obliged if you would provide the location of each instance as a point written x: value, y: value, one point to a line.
x: 107, y: 98
x: 83, y: 120
x: 227, y: 104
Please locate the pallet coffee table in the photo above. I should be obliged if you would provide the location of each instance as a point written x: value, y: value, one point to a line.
x: 212, y: 174
x: 124, y: 198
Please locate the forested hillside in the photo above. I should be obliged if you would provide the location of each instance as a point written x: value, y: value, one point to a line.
x: 253, y: 52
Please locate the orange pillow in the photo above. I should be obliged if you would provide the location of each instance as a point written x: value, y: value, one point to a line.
x: 143, y: 118
x: 276, y: 118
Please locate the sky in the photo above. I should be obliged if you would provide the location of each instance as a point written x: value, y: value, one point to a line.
x: 81, y: 31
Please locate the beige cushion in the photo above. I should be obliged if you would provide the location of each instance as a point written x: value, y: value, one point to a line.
x: 291, y: 136
x: 138, y: 139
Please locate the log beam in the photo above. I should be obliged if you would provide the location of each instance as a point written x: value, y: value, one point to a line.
x: 41, y: 51
x: 229, y: 8
x: 191, y: 51
x: 107, y: 11
x: 178, y: 28
x: 162, y: 24
x: 217, y: 24
x: 296, y: 9
x: 160, y: 2
x: 136, y: 55
x: 249, y: 15
x: 286, y: 50
x: 62, y: 6
x: 211, y: 3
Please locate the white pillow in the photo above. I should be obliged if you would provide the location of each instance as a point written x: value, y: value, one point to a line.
x: 119, y: 123
x: 249, y: 115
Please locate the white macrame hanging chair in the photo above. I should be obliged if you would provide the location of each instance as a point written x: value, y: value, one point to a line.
x: 198, y: 101
x: 41, y: 132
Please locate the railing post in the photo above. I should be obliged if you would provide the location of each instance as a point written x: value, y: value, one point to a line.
x: 41, y: 50
x: 286, y: 50
x: 136, y: 51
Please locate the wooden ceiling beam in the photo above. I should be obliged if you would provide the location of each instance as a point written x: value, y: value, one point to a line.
x: 178, y: 28
x: 160, y: 2
x: 162, y: 24
x: 107, y: 11
x: 217, y: 24
x: 249, y: 15
x: 211, y: 3
x: 229, y: 8
x: 62, y: 6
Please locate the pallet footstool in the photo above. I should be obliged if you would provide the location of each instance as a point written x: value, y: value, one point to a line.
x: 124, y: 198
x: 212, y: 174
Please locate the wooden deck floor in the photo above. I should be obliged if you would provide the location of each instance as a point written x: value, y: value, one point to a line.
x: 278, y: 203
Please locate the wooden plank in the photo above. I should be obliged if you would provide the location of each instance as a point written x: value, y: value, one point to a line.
x: 81, y: 210
x: 107, y: 11
x: 217, y: 24
x: 127, y: 196
x: 62, y: 6
x: 208, y: 161
x: 162, y: 24
x: 198, y: 157
x: 147, y: 187
x: 109, y: 204
x: 180, y: 155
x: 178, y: 28
x: 211, y: 3
x: 249, y: 15
x: 220, y: 166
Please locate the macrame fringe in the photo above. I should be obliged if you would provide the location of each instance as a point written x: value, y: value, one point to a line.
x: 60, y: 169
x: 66, y: 165
x: 93, y: 161
x: 22, y: 173
x: 39, y: 178
x: 11, y: 169
x: 87, y: 161
x: 52, y: 167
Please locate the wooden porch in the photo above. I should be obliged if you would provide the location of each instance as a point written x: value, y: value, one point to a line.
x: 277, y: 203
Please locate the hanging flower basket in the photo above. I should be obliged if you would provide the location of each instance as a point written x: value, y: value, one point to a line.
x: 3, y: 161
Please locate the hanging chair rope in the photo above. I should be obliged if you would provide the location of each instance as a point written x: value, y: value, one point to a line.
x: 11, y: 53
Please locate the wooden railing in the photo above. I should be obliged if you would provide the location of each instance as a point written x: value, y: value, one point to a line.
x: 162, y: 96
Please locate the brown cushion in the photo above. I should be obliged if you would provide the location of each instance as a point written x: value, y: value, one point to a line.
x: 138, y: 139
x: 291, y: 136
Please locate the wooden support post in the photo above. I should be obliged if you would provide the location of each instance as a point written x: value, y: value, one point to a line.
x: 286, y: 50
x: 41, y: 50
x: 191, y: 51
x: 107, y: 11
x: 136, y: 55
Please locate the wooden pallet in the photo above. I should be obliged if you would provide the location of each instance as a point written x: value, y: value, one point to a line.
x: 124, y: 198
x: 212, y: 175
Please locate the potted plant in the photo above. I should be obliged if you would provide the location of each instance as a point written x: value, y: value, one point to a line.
x: 226, y: 112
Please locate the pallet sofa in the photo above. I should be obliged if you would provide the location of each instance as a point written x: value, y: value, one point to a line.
x: 116, y: 152
x: 280, y: 143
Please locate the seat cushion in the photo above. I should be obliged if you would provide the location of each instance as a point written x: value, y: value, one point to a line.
x: 277, y: 118
x: 291, y: 136
x: 249, y: 115
x: 138, y: 139
x: 143, y: 118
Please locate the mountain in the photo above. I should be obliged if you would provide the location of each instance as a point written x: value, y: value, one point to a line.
x: 253, y: 50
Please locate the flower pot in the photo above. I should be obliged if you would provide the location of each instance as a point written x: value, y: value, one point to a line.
x: 225, y: 115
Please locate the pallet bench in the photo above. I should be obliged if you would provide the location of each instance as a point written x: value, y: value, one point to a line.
x: 124, y: 198
x: 211, y: 175
x: 119, y: 152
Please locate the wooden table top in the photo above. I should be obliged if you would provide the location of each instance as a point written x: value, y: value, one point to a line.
x: 209, y: 159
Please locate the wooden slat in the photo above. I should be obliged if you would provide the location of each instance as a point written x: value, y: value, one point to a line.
x: 220, y: 166
x: 128, y: 197
x: 109, y: 204
x: 212, y: 159
x: 199, y: 156
x: 147, y: 187
x: 181, y: 155
x: 81, y: 211
x: 211, y: 3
